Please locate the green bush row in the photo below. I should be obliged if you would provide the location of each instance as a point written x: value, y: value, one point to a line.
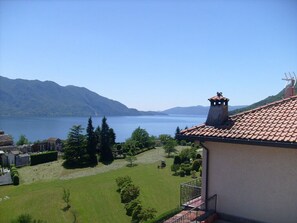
x: 44, y: 157
x: 14, y: 175
x: 129, y: 194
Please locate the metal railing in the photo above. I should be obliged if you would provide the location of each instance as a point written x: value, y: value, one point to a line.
x: 189, y: 191
x: 204, y: 210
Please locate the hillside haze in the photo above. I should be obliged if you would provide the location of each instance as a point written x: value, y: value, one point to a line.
x: 195, y: 110
x: 46, y: 98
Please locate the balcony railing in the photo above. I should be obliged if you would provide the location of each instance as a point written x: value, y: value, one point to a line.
x: 197, y: 214
x: 189, y: 192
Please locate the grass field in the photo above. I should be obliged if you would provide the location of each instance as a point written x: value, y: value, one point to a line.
x: 93, y: 198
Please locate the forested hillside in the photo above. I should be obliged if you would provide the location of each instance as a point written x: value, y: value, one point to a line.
x: 46, y: 98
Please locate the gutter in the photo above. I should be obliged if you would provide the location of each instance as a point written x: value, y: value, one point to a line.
x: 206, y: 172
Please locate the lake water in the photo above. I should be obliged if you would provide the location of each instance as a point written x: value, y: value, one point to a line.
x: 37, y: 128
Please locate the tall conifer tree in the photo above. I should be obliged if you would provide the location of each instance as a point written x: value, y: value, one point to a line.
x: 75, y: 148
x: 106, y: 155
x: 91, y: 142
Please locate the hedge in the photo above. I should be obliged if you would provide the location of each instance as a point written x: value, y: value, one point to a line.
x: 14, y: 175
x: 161, y: 218
x: 44, y: 157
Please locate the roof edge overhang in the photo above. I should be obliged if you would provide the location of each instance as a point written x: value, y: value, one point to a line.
x: 239, y: 141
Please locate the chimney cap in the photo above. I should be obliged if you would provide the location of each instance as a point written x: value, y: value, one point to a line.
x: 218, y: 97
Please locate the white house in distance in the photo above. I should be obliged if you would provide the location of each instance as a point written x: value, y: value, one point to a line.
x: 250, y: 160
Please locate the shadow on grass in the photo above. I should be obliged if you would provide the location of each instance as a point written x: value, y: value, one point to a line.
x: 106, y: 162
x: 131, y: 165
x: 66, y: 208
x: 75, y: 165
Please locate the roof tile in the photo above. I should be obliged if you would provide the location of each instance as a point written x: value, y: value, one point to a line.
x: 274, y: 122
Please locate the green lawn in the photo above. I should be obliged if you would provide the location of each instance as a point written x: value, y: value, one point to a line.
x: 93, y: 198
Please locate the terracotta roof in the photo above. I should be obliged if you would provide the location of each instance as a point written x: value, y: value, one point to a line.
x: 5, y: 140
x: 274, y: 123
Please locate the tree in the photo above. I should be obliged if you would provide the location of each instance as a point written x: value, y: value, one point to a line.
x: 142, y: 138
x: 91, y: 142
x: 112, y: 136
x: 131, y: 206
x: 122, y: 182
x: 106, y: 139
x: 130, y: 158
x: 146, y: 214
x: 129, y: 193
x: 164, y: 138
x: 66, y: 197
x: 22, y: 140
x: 187, y: 154
x: 130, y: 146
x: 169, y: 146
x: 177, y: 131
x: 97, y: 136
x: 75, y: 148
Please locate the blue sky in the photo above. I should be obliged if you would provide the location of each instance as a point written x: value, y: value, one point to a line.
x: 153, y: 55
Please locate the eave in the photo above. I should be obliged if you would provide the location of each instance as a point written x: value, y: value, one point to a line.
x: 193, y: 138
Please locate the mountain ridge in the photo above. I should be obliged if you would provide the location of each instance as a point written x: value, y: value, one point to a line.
x: 194, y: 110
x: 20, y: 97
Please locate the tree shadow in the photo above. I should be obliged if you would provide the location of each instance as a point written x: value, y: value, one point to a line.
x: 66, y: 208
x: 107, y: 162
x: 131, y: 165
x: 76, y: 165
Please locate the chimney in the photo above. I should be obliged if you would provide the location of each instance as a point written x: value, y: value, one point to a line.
x: 290, y: 89
x: 218, y: 111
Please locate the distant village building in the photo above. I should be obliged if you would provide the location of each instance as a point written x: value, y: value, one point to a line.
x: 47, y: 145
x: 13, y: 155
x: 6, y: 142
x: 250, y: 160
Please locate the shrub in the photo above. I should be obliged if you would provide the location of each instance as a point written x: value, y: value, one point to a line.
x: 147, y: 214
x: 26, y: 218
x: 14, y: 175
x: 16, y: 179
x: 122, y: 182
x: 187, y: 168
x: 44, y: 157
x: 175, y: 168
x: 166, y: 215
x: 136, y: 214
x: 129, y: 193
x: 13, y: 171
x: 182, y: 173
x: 196, y: 164
x: 193, y: 174
x: 198, y: 156
x: 131, y: 206
x: 200, y: 171
x: 183, y: 143
x: 177, y: 160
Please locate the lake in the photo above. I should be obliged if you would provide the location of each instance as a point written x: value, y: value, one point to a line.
x: 39, y: 128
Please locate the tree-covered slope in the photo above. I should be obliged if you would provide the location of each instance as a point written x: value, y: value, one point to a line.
x: 265, y: 101
x: 37, y: 98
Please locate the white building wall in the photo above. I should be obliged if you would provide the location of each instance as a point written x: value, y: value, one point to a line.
x: 253, y: 182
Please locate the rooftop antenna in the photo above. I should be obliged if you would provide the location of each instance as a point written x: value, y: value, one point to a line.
x: 290, y: 86
x: 291, y: 79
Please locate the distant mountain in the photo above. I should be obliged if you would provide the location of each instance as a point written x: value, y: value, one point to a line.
x: 265, y: 101
x: 46, y: 98
x: 195, y: 110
